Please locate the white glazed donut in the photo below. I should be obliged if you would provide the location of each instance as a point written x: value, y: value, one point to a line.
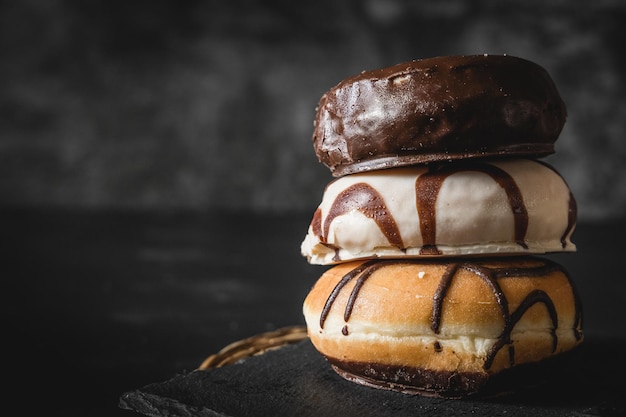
x: 465, y: 208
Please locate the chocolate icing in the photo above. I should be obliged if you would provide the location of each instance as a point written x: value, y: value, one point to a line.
x: 411, y: 380
x: 442, y: 108
x: 491, y: 275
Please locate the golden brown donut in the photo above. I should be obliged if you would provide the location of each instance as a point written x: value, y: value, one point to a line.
x: 443, y: 108
x: 441, y: 328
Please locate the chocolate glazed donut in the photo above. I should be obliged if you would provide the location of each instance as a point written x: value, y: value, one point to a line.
x: 442, y: 108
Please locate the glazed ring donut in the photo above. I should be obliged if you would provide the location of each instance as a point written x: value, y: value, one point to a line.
x: 442, y: 108
x: 441, y: 328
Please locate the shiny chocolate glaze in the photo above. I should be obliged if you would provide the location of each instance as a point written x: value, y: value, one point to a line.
x: 443, y: 108
x: 491, y: 276
x: 364, y: 198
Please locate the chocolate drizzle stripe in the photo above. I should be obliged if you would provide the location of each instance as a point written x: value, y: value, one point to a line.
x: 359, y: 284
x: 335, y: 292
x: 511, y: 355
x: 572, y: 213
x: 316, y: 222
x: 427, y: 188
x: 428, y: 185
x: 489, y: 276
x: 486, y: 274
x: 578, y: 308
x: 548, y: 267
x: 440, y: 294
x: 364, y: 198
x: 537, y: 271
x: 535, y: 296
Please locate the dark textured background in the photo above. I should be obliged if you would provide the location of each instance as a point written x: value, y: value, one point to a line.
x: 203, y: 105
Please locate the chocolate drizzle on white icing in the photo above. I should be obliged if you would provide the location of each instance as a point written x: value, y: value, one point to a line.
x: 572, y: 212
x: 428, y: 185
x: 364, y: 198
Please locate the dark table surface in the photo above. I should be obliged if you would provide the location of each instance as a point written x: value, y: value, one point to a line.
x: 98, y: 303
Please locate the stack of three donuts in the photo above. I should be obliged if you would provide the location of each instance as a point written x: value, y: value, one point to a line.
x: 434, y: 225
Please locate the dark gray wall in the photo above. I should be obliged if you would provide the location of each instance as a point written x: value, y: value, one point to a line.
x: 210, y: 104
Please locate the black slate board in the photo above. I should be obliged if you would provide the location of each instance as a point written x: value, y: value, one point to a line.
x: 296, y: 381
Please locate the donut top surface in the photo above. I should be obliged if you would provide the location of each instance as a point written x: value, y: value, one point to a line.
x: 443, y: 108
